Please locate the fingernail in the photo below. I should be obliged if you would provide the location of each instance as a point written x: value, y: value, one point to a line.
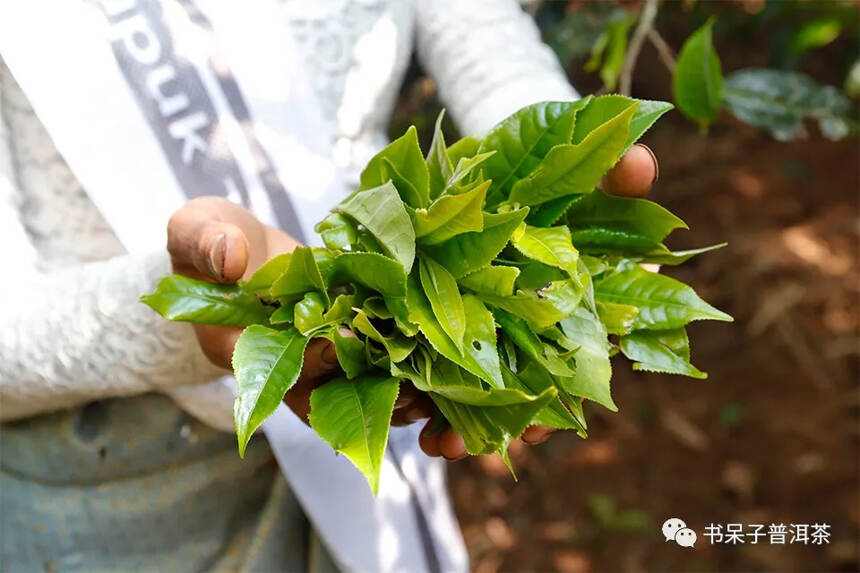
x: 457, y: 459
x: 217, y: 256
x: 654, y: 159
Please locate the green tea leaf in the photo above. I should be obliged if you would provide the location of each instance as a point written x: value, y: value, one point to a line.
x: 575, y: 168
x: 372, y: 270
x: 337, y: 231
x: 541, y: 308
x: 267, y: 274
x: 405, y: 155
x: 526, y: 340
x: 381, y: 212
x: 549, y: 245
x: 617, y: 318
x: 447, y: 379
x: 536, y: 379
x: 451, y: 215
x: 444, y: 296
x: 465, y: 147
x: 660, y: 351
x: 464, y: 168
x: 663, y: 302
x: 601, y: 109
x: 308, y: 313
x: 602, y: 241
x: 379, y: 273
x: 469, y: 252
x: 397, y: 345
x: 189, y: 300
x: 488, y: 429
x: 698, y: 81
x: 495, y: 280
x: 663, y: 256
x: 637, y: 216
x: 283, y: 315
x: 375, y: 307
x: 354, y: 416
x: 350, y: 353
x: 266, y: 364
x: 438, y: 164
x: 593, y: 371
x: 535, y: 275
x: 523, y: 139
x: 302, y: 275
x: 479, y: 354
x: 779, y: 101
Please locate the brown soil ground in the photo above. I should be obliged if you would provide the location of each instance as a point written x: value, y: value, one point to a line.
x: 771, y: 437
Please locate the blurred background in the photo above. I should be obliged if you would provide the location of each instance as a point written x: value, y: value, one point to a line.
x: 773, y: 435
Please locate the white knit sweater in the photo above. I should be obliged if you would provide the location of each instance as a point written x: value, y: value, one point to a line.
x: 71, y: 329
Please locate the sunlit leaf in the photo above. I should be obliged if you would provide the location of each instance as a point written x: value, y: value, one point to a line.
x: 266, y: 364
x: 381, y: 212
x: 354, y: 416
x: 697, y: 81
x: 660, y: 351
x: 190, y: 300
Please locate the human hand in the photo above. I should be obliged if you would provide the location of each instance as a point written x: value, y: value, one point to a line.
x: 212, y: 239
x: 632, y: 176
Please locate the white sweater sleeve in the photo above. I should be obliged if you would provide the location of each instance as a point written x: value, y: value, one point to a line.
x: 488, y: 60
x: 79, y: 334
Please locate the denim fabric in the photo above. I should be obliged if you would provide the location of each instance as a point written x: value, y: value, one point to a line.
x: 135, y: 484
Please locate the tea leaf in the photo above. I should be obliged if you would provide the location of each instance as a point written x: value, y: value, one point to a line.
x: 381, y: 212
x: 779, y: 101
x: 593, y: 371
x: 438, y: 163
x: 444, y: 296
x: 494, y: 280
x: 660, y: 351
x: 469, y: 252
x: 575, y: 168
x: 698, y: 81
x: 354, y: 416
x: 404, y: 154
x: 663, y: 302
x: 266, y: 364
x: 451, y: 215
x: 523, y: 139
x: 190, y: 300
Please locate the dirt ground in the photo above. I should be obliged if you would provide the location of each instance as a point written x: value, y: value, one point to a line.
x: 771, y: 437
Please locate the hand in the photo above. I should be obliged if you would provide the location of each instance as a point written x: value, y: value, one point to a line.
x: 212, y: 239
x: 632, y: 176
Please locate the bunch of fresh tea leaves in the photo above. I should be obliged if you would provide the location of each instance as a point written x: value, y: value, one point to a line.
x: 490, y: 274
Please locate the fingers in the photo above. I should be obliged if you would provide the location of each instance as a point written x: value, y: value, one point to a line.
x: 447, y: 443
x: 537, y: 434
x: 634, y: 174
x: 217, y: 343
x: 411, y: 405
x: 205, y: 239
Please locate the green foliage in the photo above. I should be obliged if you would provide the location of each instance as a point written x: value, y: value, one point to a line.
x: 353, y: 417
x: 779, y: 101
x: 189, y: 300
x: 698, y: 80
x: 432, y: 275
x: 266, y: 364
